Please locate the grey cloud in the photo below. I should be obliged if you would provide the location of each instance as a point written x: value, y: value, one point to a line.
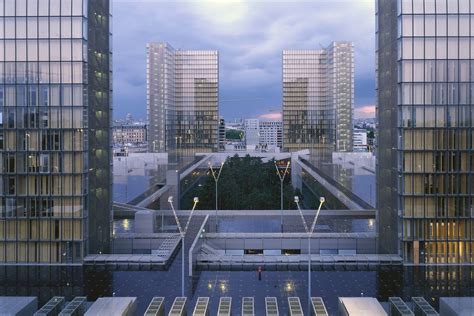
x: 249, y: 35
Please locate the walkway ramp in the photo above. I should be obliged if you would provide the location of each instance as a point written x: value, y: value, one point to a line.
x: 202, y: 307
x: 294, y: 305
x: 52, y: 307
x: 179, y: 307
x: 76, y: 307
x: 168, y: 246
x: 271, y: 306
x: 248, y: 307
x: 156, y: 307
x: 398, y: 307
x: 423, y: 308
x: 225, y: 305
x: 318, y: 307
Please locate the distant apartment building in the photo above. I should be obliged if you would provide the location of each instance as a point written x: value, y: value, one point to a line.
x: 182, y: 100
x: 252, y: 131
x: 221, y: 134
x: 129, y: 134
x: 360, y: 139
x: 318, y: 98
x: 425, y: 157
x: 271, y: 133
x: 55, y: 131
x: 263, y: 133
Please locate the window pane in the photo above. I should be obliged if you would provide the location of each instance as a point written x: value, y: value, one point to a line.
x: 66, y: 7
x: 66, y: 27
x: 20, y: 27
x: 441, y: 49
x: 77, y: 7
x: 452, y: 25
x: 463, y: 6
x: 43, y: 7
x: 32, y: 27
x: 418, y: 70
x: 429, y: 6
x: 464, y: 48
x: 54, y: 6
x: 430, y: 48
x: 441, y: 25
x: 407, y: 6
x: 418, y: 44
x: 77, y: 27
x: 418, y: 25
x: 407, y: 25
x: 430, y: 25
x: 453, y: 48
x: 407, y: 48
x: 32, y: 9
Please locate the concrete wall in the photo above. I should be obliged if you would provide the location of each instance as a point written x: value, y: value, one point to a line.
x: 360, y: 245
x: 135, y: 245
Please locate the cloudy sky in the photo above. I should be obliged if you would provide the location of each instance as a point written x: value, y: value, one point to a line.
x: 250, y: 36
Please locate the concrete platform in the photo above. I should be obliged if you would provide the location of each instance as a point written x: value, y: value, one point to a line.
x: 113, y: 306
x: 18, y: 305
x: 360, y: 306
x: 456, y: 306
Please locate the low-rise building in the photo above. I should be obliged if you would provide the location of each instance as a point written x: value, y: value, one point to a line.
x: 360, y: 139
x: 129, y: 134
x: 271, y: 133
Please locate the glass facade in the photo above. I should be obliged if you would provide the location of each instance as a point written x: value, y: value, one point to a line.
x: 318, y: 98
x: 182, y: 100
x: 435, y: 115
x: 50, y: 91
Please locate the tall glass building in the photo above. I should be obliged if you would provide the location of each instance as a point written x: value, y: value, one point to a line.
x: 426, y: 114
x: 55, y: 118
x: 318, y: 98
x: 182, y: 89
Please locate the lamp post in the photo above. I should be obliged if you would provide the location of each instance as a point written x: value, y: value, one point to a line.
x: 309, y: 231
x: 282, y: 179
x: 216, y: 180
x: 182, y: 232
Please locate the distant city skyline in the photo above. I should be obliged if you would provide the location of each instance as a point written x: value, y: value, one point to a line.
x: 250, y: 38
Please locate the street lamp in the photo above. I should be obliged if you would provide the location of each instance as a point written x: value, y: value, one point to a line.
x: 216, y: 180
x: 182, y: 232
x: 309, y: 231
x: 282, y: 179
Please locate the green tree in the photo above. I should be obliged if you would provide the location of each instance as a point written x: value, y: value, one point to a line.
x: 246, y: 183
x: 233, y: 134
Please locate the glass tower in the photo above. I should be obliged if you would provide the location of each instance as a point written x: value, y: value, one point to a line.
x: 55, y: 116
x: 182, y: 100
x: 318, y: 98
x: 425, y: 74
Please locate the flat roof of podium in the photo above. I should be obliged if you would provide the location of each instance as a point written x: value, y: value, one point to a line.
x: 11, y: 305
x: 110, y: 306
x: 362, y: 306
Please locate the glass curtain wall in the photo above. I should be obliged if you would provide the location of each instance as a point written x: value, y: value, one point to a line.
x: 436, y: 115
x: 44, y: 131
